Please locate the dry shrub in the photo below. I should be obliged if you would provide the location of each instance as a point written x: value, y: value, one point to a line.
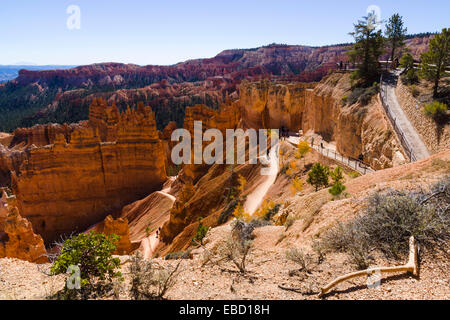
x: 238, y: 245
x: 298, y: 256
x: 149, y: 280
x: 390, y: 219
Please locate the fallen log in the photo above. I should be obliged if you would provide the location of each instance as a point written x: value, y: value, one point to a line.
x: 411, y: 266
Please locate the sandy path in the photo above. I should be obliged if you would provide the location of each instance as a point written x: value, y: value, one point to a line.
x: 411, y: 136
x: 150, y: 243
x: 255, y: 198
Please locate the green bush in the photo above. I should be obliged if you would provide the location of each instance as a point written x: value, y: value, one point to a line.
x: 200, y: 233
x: 407, y: 61
x: 410, y: 77
x: 337, y: 189
x: 92, y: 253
x: 436, y: 110
x: 354, y: 174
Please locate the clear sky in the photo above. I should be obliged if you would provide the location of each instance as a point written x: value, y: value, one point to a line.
x: 170, y: 31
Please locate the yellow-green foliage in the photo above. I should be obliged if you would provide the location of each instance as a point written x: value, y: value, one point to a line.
x: 291, y: 168
x: 296, y: 186
x: 242, y: 182
x: 266, y: 206
x: 435, y: 110
x: 354, y: 174
x: 302, y: 149
x: 240, y: 214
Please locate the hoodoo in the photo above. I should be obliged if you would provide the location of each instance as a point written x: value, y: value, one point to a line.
x: 70, y: 185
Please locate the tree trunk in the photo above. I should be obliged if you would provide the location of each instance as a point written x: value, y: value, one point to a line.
x: 392, y: 53
x: 411, y: 266
x: 436, y: 84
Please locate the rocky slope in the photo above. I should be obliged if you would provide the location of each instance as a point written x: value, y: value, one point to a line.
x: 436, y: 137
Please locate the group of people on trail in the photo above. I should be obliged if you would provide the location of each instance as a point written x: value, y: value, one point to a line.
x: 342, y: 65
x: 158, y: 232
x: 284, y: 132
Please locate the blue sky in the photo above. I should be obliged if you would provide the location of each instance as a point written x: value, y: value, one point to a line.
x: 170, y: 31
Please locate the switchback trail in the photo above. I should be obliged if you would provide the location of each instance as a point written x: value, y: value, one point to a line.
x: 255, y: 198
x: 409, y: 136
x: 150, y: 243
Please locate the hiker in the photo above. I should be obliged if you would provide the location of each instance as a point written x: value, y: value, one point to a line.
x: 341, y: 64
x: 158, y: 231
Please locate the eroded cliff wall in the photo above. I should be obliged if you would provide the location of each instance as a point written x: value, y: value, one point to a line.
x: 356, y: 129
x: 70, y: 185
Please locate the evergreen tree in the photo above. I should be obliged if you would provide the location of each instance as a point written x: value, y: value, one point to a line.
x: 437, y: 59
x: 407, y: 62
x: 337, y: 176
x: 395, y: 34
x: 318, y: 176
x: 366, y: 51
x: 410, y: 75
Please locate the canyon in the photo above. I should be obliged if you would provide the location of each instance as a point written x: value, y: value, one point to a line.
x: 70, y: 177
x: 39, y: 97
x: 102, y: 165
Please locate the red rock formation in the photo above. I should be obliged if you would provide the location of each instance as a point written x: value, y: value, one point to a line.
x: 208, y: 81
x: 17, y: 239
x: 119, y: 227
x: 66, y: 187
x: 41, y: 135
x: 210, y: 181
x: 268, y: 105
x: 356, y: 129
x: 10, y: 160
x: 285, y: 60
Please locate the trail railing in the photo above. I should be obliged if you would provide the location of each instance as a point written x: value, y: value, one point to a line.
x: 393, y: 120
x: 351, y: 163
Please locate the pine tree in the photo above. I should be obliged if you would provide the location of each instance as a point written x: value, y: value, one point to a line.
x: 410, y: 74
x: 366, y: 51
x: 318, y: 176
x: 407, y: 62
x: 337, y: 176
x: 437, y: 59
x: 395, y: 34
